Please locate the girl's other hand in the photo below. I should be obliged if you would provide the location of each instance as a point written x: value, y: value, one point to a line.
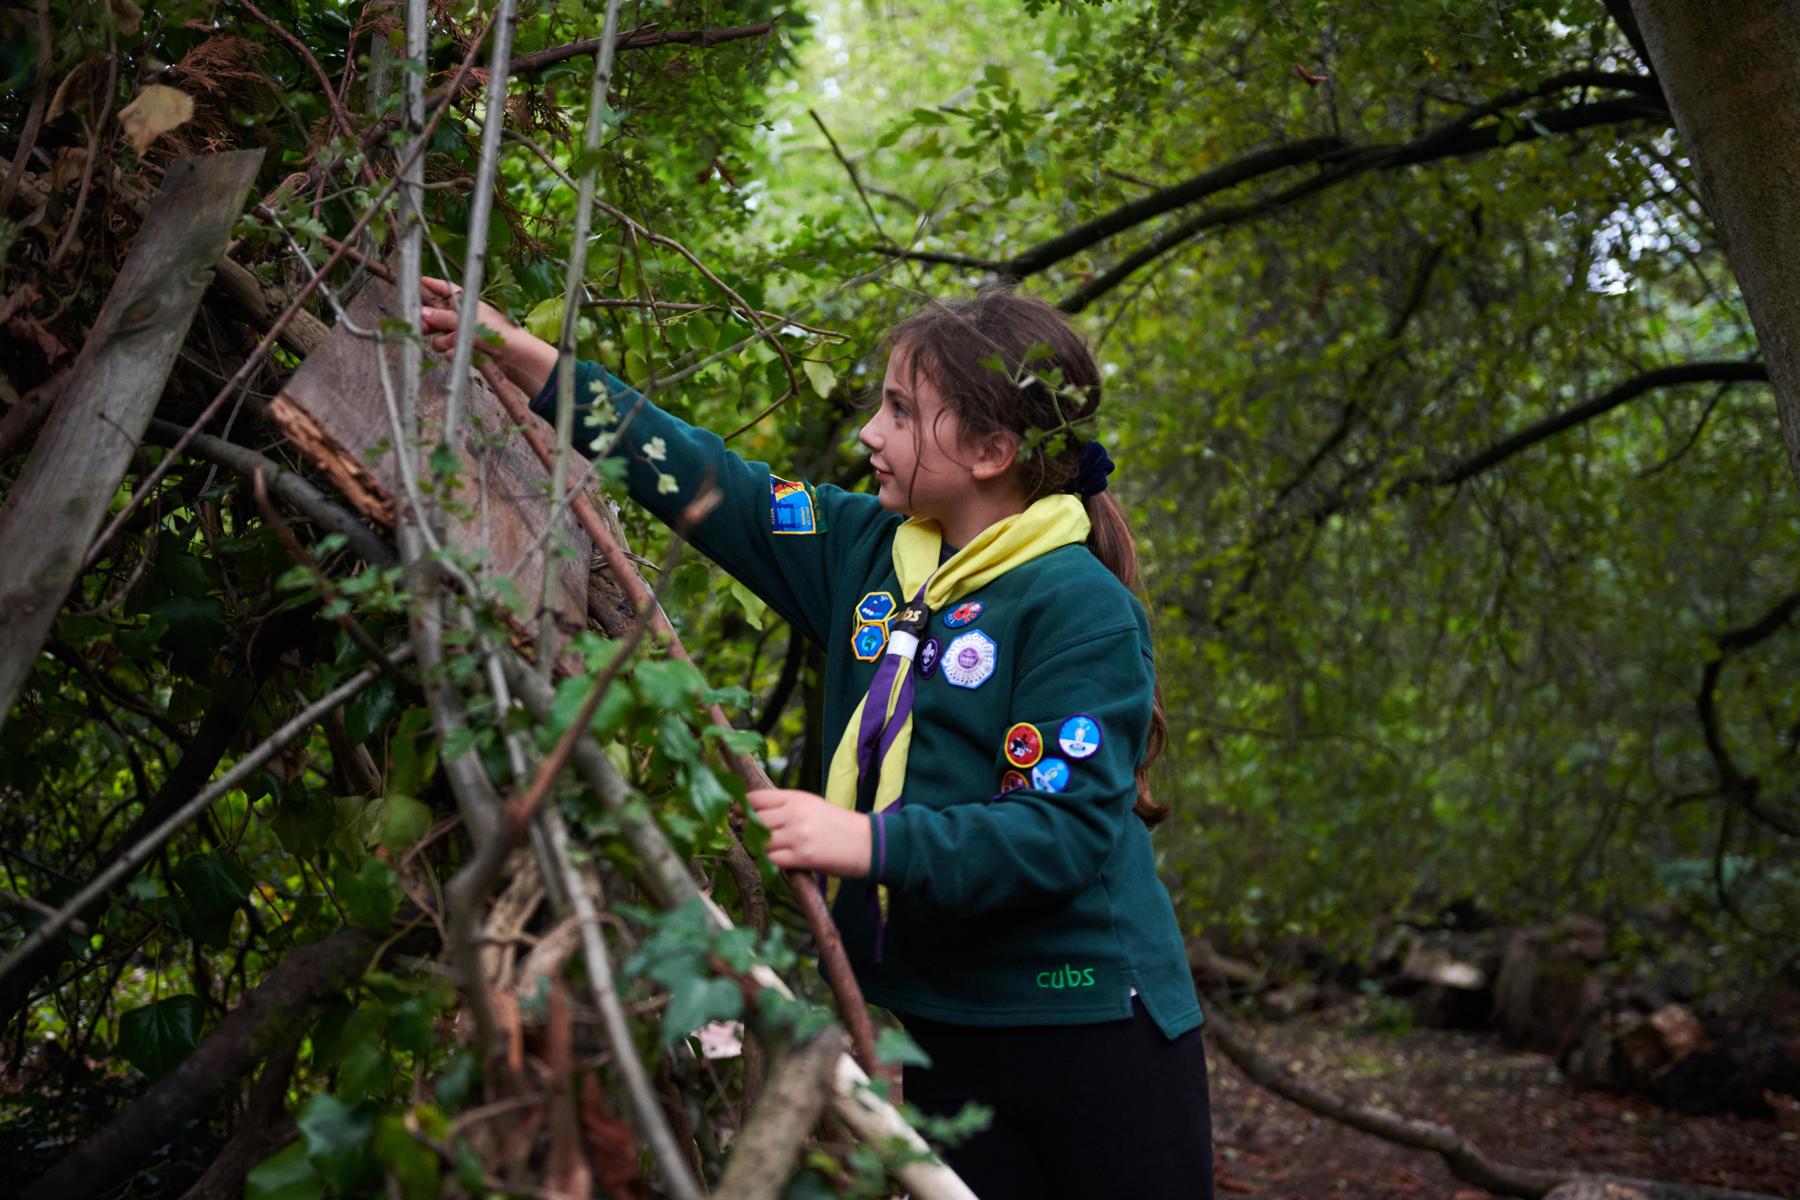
x: 809, y: 833
x: 525, y: 358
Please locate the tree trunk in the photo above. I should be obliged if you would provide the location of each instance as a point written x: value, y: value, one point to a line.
x: 1731, y: 71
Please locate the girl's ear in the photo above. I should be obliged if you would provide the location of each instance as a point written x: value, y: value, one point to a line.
x: 995, y: 454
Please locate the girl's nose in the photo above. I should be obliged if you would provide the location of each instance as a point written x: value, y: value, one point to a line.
x: 867, y: 437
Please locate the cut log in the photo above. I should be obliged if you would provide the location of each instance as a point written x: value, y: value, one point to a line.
x: 52, y: 512
x: 333, y: 409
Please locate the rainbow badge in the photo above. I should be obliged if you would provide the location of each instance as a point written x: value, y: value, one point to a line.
x: 791, y: 507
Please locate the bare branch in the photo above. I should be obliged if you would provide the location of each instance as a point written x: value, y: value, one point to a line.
x: 637, y: 39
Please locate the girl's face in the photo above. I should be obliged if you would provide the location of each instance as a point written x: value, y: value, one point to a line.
x: 914, y: 441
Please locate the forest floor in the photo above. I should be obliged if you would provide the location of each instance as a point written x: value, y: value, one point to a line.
x: 1516, y: 1107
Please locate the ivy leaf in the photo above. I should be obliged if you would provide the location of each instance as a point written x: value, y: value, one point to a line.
x: 370, y: 894
x: 697, y: 1002
x: 753, y: 607
x: 158, y: 1037
x: 404, y: 821
x: 288, y: 1175
x: 338, y: 1139
x: 667, y: 682
x: 215, y: 888
x: 706, y: 793
x: 896, y: 1046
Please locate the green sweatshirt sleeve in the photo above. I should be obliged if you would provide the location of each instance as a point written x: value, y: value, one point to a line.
x: 1036, y: 844
x: 783, y: 539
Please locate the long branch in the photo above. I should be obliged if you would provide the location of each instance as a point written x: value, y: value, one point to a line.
x: 1448, y: 140
x: 637, y: 39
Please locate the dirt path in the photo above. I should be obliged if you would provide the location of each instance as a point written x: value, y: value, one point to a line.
x: 1515, y: 1106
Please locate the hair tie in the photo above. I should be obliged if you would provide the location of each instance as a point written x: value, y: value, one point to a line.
x: 1091, y: 472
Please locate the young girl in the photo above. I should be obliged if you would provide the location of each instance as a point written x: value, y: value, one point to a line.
x: 990, y: 691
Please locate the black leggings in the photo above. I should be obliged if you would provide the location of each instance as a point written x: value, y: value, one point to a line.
x: 1085, y: 1111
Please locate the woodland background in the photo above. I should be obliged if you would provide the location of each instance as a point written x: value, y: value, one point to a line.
x: 1469, y: 533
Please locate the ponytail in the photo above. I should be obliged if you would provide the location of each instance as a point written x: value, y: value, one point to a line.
x: 991, y: 357
x: 1111, y: 542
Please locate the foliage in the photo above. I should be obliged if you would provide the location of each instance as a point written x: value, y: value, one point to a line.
x: 1387, y: 693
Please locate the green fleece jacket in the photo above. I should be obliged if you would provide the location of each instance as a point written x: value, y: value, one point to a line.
x: 1022, y: 889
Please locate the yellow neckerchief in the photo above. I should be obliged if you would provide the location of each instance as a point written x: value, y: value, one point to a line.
x: 1048, y: 524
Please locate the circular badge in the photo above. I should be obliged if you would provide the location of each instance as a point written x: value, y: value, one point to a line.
x: 1024, y: 744
x: 928, y: 657
x: 876, y: 606
x: 868, y: 643
x: 970, y: 658
x: 965, y: 613
x: 1051, y: 775
x: 1079, y: 736
x: 1012, y: 781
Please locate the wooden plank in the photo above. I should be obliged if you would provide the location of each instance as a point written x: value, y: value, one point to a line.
x: 53, y: 511
x: 334, y: 410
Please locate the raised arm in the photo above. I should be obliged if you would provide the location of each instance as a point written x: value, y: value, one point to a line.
x: 784, y: 539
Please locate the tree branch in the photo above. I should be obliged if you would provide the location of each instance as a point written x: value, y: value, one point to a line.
x: 1341, y: 159
x: 638, y: 39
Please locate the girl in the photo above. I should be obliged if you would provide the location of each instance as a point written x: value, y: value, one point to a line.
x: 992, y: 697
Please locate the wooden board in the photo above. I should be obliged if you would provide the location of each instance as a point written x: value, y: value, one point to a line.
x: 55, y: 508
x: 334, y: 409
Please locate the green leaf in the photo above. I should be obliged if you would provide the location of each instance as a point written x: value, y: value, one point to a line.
x: 545, y: 320
x: 697, y: 1002
x: 668, y: 682
x: 287, y: 1175
x: 895, y: 1045
x: 215, y: 888
x: 338, y: 1139
x: 413, y: 1165
x: 370, y: 895
x: 753, y: 607
x: 821, y: 376
x: 158, y: 1037
x: 706, y: 793
x: 404, y: 821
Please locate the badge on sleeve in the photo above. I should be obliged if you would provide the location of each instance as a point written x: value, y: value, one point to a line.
x: 928, y: 657
x: 876, y: 606
x: 791, y: 507
x: 1050, y: 775
x: 1079, y: 736
x: 965, y: 613
x: 970, y: 658
x: 1012, y: 781
x: 1024, y: 744
x: 869, y: 642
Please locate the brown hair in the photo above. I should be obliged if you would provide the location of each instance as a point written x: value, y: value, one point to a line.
x: 1007, y: 362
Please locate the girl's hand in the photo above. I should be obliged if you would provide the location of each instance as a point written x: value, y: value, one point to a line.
x: 526, y: 358
x: 809, y: 833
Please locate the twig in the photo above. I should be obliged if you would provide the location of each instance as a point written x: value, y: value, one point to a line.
x: 331, y: 97
x: 850, y: 170
x: 137, y: 855
x: 93, y: 154
x: 34, y: 119
x: 574, y: 283
x: 475, y: 257
x: 637, y: 39
x: 652, y: 1124
x: 322, y: 581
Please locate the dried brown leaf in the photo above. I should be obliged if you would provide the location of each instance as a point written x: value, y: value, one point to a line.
x: 610, y: 1144
x: 157, y: 109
